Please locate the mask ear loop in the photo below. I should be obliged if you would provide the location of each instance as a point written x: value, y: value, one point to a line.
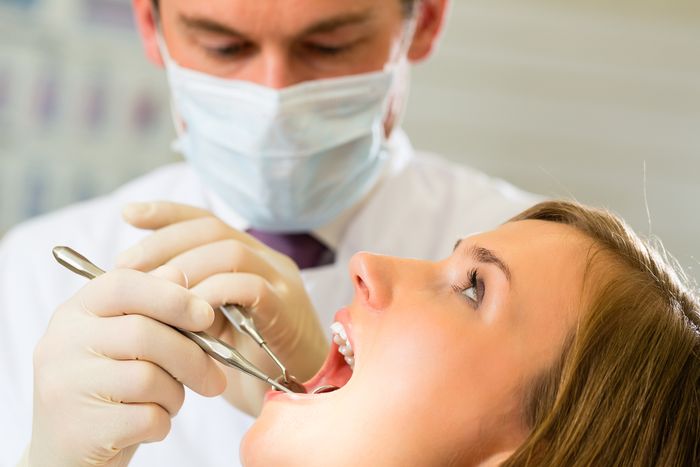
x: 399, y: 52
x: 178, y: 122
x: 398, y: 66
x: 160, y: 36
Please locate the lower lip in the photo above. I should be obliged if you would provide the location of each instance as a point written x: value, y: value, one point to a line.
x: 272, y: 395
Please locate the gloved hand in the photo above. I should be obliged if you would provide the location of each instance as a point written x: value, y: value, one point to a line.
x: 108, y: 374
x: 226, y: 266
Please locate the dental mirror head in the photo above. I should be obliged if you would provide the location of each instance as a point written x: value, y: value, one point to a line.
x: 291, y: 383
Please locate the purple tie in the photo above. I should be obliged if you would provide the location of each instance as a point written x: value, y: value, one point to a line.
x: 304, y: 249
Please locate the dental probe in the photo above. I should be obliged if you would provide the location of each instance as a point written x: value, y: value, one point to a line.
x: 242, y: 321
x: 214, y: 347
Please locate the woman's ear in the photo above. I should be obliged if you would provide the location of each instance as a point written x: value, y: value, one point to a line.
x: 430, y: 20
x: 145, y: 22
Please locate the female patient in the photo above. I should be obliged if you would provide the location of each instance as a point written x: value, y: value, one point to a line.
x: 558, y: 339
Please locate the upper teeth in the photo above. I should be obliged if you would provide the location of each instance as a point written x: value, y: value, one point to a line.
x: 340, y: 337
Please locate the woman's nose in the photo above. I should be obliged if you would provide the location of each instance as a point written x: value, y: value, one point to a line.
x: 372, y: 277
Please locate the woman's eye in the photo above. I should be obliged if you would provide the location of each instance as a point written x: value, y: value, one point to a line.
x: 470, y: 293
x: 474, y: 289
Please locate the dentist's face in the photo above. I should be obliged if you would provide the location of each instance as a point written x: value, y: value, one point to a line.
x: 443, y: 355
x: 279, y: 43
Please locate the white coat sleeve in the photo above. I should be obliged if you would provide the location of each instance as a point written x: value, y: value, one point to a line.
x: 23, y: 320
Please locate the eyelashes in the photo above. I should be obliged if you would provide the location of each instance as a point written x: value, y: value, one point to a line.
x: 474, y: 289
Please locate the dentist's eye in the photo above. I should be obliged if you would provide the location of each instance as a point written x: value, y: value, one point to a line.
x: 474, y: 289
x: 234, y: 50
x: 328, y: 50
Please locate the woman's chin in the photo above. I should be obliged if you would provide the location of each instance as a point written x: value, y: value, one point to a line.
x: 294, y: 435
x: 270, y: 441
x: 255, y: 449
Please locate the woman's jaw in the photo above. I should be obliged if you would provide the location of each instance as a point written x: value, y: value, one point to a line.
x: 337, y: 369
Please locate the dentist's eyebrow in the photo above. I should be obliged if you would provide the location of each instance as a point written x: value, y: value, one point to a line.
x: 208, y: 25
x: 484, y: 255
x: 331, y: 24
x: 323, y: 26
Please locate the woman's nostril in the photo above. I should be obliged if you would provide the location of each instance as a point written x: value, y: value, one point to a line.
x: 368, y: 278
x: 361, y: 286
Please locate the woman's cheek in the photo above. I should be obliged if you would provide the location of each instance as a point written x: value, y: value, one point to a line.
x: 419, y: 358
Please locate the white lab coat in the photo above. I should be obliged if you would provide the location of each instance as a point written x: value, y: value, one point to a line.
x: 423, y: 205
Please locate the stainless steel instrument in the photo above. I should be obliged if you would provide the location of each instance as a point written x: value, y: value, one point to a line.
x: 217, y: 349
x: 242, y: 321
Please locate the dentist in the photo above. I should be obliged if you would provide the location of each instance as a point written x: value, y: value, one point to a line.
x: 287, y: 115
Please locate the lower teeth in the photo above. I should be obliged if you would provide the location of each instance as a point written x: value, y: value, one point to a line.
x: 324, y: 389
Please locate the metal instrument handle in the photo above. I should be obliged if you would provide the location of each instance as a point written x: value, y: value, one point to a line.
x: 217, y: 349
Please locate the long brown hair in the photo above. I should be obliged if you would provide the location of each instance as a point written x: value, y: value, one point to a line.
x: 626, y: 389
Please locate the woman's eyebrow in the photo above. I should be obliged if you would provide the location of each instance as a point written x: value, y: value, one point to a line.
x: 484, y: 255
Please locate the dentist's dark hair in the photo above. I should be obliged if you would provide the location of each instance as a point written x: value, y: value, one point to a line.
x: 409, y: 6
x: 626, y: 391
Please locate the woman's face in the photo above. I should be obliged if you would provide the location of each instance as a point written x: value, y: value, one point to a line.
x: 443, y: 354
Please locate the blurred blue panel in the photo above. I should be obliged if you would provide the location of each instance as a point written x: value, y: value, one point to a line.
x: 18, y: 3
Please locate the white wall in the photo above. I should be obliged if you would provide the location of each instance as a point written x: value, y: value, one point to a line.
x: 574, y: 99
x: 563, y: 98
x: 81, y: 110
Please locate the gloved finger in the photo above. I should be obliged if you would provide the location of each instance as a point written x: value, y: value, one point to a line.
x: 135, y: 337
x: 172, y: 240
x: 157, y: 214
x: 137, y: 381
x: 146, y: 423
x: 173, y: 274
x: 221, y: 257
x: 251, y: 291
x: 124, y: 291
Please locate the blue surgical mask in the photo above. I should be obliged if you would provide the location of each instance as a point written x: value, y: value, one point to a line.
x: 285, y: 160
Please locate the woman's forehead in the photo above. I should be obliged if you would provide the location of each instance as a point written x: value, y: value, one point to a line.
x: 528, y: 235
x: 543, y: 258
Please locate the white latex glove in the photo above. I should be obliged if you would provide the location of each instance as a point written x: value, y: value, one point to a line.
x: 226, y: 266
x: 108, y: 374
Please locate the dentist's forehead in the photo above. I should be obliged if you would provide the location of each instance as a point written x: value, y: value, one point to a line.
x: 330, y: 23
x: 286, y: 17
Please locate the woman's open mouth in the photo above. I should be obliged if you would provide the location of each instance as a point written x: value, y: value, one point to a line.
x: 338, y: 367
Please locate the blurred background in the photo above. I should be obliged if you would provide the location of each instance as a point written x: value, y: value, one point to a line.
x: 590, y: 99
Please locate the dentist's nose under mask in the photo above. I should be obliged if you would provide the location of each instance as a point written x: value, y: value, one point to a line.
x: 290, y: 159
